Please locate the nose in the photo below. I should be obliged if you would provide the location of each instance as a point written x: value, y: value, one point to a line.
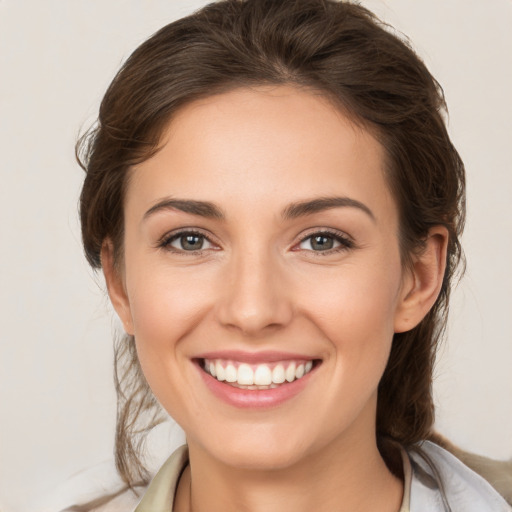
x: 255, y: 297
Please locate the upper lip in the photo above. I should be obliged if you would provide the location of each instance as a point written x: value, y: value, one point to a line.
x: 266, y: 356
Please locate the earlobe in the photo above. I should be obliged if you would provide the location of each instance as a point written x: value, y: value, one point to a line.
x: 115, y: 286
x: 423, y: 282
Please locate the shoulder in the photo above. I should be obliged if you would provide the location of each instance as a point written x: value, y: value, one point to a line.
x: 442, y: 482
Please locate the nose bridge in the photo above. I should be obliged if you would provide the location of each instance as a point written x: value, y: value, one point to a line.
x: 254, y: 296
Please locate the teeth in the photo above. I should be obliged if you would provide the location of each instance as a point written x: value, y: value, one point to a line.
x: 260, y: 376
x: 278, y: 375
x: 245, y: 375
x: 219, y: 370
x: 231, y: 373
x: 290, y: 373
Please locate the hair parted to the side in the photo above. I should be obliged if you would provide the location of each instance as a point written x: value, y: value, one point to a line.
x: 338, y: 49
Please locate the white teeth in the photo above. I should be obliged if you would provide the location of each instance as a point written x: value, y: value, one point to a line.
x: 219, y: 370
x: 259, y: 376
x: 245, y: 375
x: 278, y: 375
x: 262, y: 375
x: 231, y: 374
x: 290, y: 372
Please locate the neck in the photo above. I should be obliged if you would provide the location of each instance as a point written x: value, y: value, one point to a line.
x: 345, y: 475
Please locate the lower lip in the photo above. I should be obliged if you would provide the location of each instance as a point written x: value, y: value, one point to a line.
x: 254, y: 398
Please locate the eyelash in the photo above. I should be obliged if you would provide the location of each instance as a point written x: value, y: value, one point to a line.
x: 344, y: 241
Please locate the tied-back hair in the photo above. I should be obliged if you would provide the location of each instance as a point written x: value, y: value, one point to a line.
x: 334, y: 48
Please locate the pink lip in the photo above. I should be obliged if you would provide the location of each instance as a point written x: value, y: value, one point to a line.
x: 257, y: 398
x: 253, y: 357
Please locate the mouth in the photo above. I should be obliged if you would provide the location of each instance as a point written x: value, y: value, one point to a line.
x: 259, y: 380
x: 261, y: 376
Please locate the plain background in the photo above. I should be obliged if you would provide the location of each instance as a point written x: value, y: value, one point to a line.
x: 57, y: 405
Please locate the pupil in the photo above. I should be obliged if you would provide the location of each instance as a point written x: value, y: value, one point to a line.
x: 191, y: 242
x: 322, y: 243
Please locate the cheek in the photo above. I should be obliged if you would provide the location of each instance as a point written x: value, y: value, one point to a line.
x: 166, y: 305
x: 166, y: 308
x: 353, y: 303
x: 355, y: 310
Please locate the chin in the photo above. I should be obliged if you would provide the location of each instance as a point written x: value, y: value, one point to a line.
x: 258, y: 459
x: 260, y: 449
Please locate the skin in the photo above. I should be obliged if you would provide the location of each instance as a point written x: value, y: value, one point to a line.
x: 259, y: 284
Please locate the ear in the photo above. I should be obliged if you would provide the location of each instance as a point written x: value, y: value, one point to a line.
x: 115, y: 286
x: 423, y: 281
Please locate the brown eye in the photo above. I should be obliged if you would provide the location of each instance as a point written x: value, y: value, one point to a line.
x: 322, y: 243
x: 188, y: 242
x: 326, y: 242
x: 319, y: 242
x: 191, y: 242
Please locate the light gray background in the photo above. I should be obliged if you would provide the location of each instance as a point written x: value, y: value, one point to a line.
x: 57, y: 404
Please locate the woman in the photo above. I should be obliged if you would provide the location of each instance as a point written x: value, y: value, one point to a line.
x: 276, y: 205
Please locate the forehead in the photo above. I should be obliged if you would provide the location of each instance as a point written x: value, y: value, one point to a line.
x: 262, y: 145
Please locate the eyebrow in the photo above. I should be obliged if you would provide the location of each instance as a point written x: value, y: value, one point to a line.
x: 308, y: 207
x: 200, y: 208
x: 292, y: 211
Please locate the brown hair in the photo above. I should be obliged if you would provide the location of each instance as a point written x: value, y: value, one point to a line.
x: 346, y: 53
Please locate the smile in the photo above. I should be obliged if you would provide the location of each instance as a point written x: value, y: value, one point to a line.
x: 256, y: 376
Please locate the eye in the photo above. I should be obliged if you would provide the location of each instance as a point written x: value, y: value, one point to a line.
x: 187, y: 241
x: 325, y: 242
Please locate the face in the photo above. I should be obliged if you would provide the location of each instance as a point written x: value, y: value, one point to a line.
x: 261, y: 248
